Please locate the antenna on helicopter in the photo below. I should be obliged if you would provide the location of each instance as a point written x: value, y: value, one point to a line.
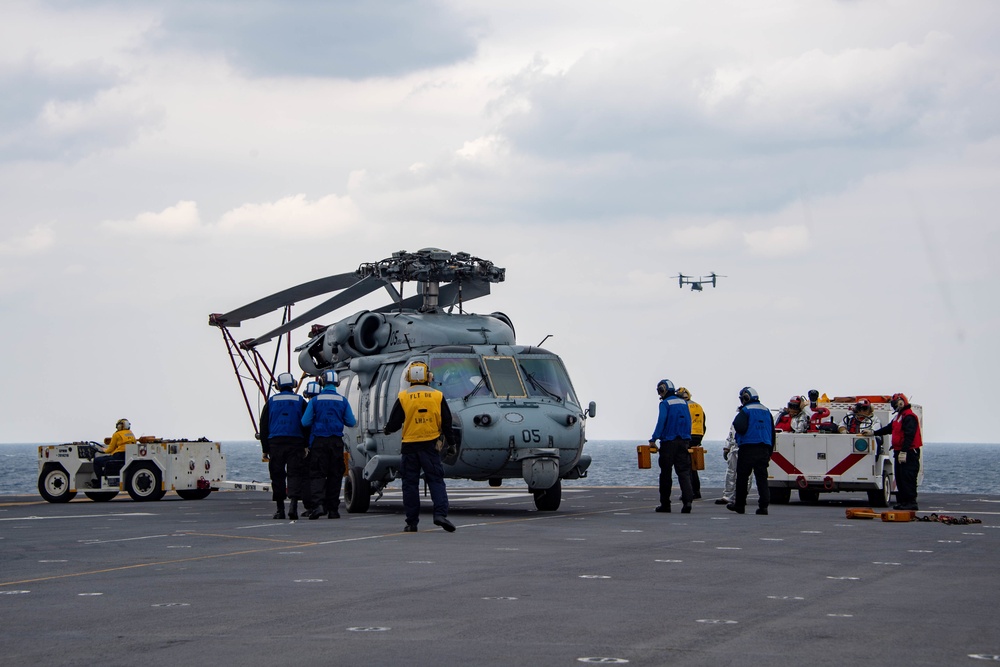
x: 544, y: 339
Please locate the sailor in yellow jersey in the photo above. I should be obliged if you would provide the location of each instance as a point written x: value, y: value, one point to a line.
x: 423, y: 414
x: 114, y: 453
x: 697, y: 435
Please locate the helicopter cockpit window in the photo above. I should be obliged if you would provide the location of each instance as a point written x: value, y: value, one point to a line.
x: 504, y: 377
x: 546, y: 377
x: 458, y: 377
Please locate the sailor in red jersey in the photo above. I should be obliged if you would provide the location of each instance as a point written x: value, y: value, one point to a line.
x: 906, y: 444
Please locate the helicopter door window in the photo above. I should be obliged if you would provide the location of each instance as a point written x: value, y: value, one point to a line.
x: 546, y: 376
x: 504, y: 377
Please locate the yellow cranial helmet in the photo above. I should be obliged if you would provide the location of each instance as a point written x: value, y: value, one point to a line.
x: 684, y: 393
x: 418, y: 373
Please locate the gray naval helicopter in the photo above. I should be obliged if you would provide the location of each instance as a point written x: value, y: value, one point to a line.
x: 515, y: 413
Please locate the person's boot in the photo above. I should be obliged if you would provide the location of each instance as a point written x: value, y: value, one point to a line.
x: 280, y: 514
x: 293, y: 511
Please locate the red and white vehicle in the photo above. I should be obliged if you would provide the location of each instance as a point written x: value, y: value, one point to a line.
x: 825, y: 461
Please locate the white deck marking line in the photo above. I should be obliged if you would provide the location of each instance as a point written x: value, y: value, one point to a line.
x: 76, y: 516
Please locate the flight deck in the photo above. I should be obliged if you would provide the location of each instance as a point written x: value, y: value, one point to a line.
x: 603, y: 580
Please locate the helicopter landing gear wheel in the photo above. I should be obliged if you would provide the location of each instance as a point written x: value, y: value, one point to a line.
x: 54, y: 485
x: 144, y: 482
x: 357, y: 491
x: 547, y: 500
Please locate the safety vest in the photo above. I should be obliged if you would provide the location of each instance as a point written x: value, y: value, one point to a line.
x: 697, y: 418
x: 284, y: 414
x: 422, y: 407
x: 897, y: 430
x: 677, y: 420
x: 329, y: 415
x: 759, y: 426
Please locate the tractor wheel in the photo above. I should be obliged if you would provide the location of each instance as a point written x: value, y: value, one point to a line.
x: 144, y: 482
x: 193, y: 494
x: 54, y: 485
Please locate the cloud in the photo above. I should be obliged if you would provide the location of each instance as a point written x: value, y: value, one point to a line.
x: 326, y: 216
x: 777, y: 241
x: 317, y: 38
x: 180, y: 220
x: 38, y: 239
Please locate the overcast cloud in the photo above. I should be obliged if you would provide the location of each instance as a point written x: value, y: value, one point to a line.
x: 838, y: 162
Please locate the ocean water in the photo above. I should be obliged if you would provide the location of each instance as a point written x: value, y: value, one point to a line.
x: 948, y: 467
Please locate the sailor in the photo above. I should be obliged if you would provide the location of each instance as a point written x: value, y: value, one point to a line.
x: 754, y: 428
x: 285, y: 448
x: 697, y: 435
x: 424, y: 416
x: 326, y: 416
x: 794, y: 418
x: 114, y: 453
x: 861, y: 419
x: 673, y: 430
x: 906, y: 444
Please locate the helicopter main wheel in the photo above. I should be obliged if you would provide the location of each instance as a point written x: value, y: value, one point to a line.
x: 193, y: 494
x: 357, y: 491
x: 144, y: 482
x: 547, y: 500
x: 100, y: 496
x: 54, y: 485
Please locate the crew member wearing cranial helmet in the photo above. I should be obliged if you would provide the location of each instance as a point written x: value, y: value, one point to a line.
x: 423, y: 414
x: 673, y: 430
x: 697, y: 435
x: 283, y: 442
x: 326, y: 416
x: 114, y: 454
x: 906, y: 444
x: 754, y: 428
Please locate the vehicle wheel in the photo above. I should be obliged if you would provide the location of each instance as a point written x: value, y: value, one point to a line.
x: 810, y: 496
x: 54, y: 485
x: 547, y: 500
x: 100, y: 496
x: 357, y: 491
x: 193, y: 494
x: 781, y: 495
x: 881, y: 497
x: 144, y: 482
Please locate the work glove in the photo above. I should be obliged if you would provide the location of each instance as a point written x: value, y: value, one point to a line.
x: 867, y: 431
x: 902, y: 457
x: 725, y: 453
x: 305, y: 453
x: 265, y: 457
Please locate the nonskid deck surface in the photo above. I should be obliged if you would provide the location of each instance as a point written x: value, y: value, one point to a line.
x: 604, y: 579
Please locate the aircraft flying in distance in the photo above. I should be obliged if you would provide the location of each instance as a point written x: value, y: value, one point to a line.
x: 697, y: 285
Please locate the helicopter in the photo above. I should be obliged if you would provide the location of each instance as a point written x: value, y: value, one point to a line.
x: 696, y: 285
x: 515, y: 412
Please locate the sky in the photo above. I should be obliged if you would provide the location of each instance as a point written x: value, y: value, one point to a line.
x: 837, y: 161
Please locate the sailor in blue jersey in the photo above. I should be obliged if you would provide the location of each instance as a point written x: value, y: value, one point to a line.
x: 754, y: 427
x: 326, y: 416
x: 284, y: 445
x: 673, y: 430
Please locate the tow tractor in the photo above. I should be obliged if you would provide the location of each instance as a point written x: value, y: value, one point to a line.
x: 825, y: 461
x: 153, y: 466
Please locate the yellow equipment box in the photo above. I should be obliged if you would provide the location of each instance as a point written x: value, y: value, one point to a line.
x: 697, y: 458
x: 899, y: 515
x: 861, y: 513
x: 644, y: 457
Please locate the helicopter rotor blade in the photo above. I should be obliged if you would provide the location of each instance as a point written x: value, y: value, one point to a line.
x: 359, y: 289
x: 287, y: 297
